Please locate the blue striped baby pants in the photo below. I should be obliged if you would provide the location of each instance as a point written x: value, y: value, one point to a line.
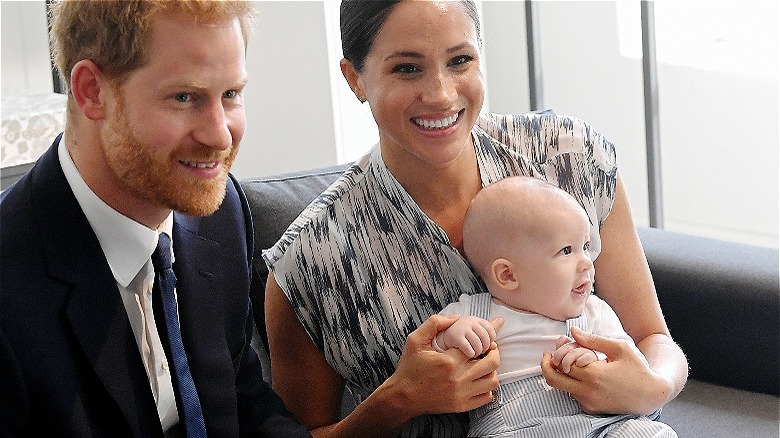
x: 531, y: 408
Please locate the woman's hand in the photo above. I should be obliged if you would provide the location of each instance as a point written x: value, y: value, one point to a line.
x: 427, y: 381
x: 623, y: 383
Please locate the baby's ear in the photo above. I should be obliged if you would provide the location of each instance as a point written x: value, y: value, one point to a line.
x: 504, y: 275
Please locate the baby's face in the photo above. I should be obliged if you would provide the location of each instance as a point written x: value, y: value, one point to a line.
x: 554, y: 269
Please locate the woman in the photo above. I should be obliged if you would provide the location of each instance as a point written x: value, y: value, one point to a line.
x: 369, y: 262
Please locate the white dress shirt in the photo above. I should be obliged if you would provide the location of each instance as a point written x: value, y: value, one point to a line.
x: 128, y: 246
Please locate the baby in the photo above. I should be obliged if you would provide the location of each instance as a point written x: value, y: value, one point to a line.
x: 530, y: 241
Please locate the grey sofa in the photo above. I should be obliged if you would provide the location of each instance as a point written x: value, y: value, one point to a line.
x: 721, y: 301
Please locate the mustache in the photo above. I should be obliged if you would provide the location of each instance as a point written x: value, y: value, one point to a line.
x: 206, y: 154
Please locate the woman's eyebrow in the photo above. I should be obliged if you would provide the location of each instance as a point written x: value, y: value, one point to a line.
x: 417, y: 55
x: 459, y: 47
x: 404, y: 54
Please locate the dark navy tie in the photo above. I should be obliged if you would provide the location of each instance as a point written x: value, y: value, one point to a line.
x: 187, y: 402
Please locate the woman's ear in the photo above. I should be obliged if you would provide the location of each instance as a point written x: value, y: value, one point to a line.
x: 88, y: 87
x: 353, y: 79
x: 504, y: 275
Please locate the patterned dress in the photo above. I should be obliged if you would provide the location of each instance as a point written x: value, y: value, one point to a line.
x: 363, y: 266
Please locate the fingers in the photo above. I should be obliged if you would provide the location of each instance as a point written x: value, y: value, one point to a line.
x: 562, y: 351
x: 484, y: 372
x: 610, y: 347
x: 550, y: 370
x: 484, y: 367
x: 558, y: 379
x: 563, y: 340
x: 472, y: 335
x: 428, y: 330
x: 469, y: 344
x: 472, y: 382
x: 486, y: 332
x: 567, y: 362
x: 586, y: 359
x: 480, y: 400
x: 578, y: 356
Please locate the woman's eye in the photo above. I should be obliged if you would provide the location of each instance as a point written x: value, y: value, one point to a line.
x: 405, y: 69
x: 461, y: 60
x: 182, y: 97
x: 566, y: 250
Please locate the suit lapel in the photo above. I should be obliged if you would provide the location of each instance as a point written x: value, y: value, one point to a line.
x: 95, y: 310
x: 199, y: 280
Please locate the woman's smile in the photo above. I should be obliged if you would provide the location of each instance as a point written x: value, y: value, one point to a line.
x: 439, y: 124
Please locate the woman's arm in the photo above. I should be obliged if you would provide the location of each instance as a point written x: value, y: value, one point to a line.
x: 298, y: 368
x: 624, y: 383
x: 425, y: 381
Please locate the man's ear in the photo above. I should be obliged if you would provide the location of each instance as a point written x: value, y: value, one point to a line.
x: 504, y: 275
x: 89, y: 87
x: 353, y: 79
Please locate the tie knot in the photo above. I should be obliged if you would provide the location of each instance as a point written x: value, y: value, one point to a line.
x: 161, y: 257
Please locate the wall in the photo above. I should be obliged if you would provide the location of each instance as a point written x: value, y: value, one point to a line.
x: 25, y: 50
x: 719, y: 131
x: 288, y: 98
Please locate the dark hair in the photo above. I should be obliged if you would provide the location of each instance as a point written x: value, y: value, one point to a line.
x: 362, y: 19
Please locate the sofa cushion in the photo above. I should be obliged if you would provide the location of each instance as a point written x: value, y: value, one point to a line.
x: 706, y: 410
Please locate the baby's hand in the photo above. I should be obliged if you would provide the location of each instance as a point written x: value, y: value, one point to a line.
x: 570, y: 353
x: 471, y: 335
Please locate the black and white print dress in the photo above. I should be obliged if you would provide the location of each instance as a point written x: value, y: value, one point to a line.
x: 363, y: 266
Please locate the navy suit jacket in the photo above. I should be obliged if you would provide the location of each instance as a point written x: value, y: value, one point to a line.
x: 69, y: 364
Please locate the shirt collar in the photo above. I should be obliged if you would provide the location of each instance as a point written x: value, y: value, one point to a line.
x: 127, y: 244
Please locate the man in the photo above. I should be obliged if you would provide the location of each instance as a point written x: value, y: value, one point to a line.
x: 97, y: 337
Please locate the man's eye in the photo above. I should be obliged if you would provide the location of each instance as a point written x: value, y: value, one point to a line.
x: 182, y: 97
x: 566, y: 250
x: 230, y: 94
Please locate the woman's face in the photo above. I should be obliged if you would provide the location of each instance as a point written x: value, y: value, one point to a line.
x: 423, y: 80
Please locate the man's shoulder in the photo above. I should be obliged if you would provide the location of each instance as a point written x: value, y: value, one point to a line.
x: 17, y: 216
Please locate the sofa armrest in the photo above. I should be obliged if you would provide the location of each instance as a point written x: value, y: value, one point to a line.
x: 721, y: 301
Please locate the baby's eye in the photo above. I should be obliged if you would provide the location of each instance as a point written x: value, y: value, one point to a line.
x: 566, y: 250
x: 182, y: 97
x: 586, y: 247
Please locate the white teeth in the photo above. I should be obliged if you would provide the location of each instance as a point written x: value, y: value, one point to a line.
x: 198, y: 164
x: 436, y: 124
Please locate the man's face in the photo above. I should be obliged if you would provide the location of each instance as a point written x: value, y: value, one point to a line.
x: 176, y: 123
